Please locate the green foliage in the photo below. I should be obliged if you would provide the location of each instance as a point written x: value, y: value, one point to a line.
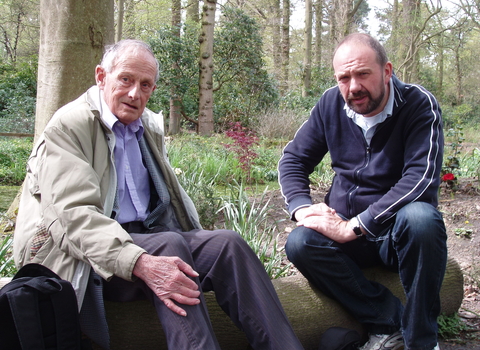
x: 178, y: 58
x: 13, y: 157
x: 450, y: 327
x: 458, y: 115
x: 321, y: 80
x: 217, y: 162
x: 471, y: 164
x: 250, y: 220
x: 241, y: 84
x: 323, y: 173
x: 7, y: 265
x: 202, y: 190
x: 18, y: 90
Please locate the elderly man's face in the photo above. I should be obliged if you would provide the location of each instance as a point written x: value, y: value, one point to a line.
x: 363, y: 82
x: 127, y: 88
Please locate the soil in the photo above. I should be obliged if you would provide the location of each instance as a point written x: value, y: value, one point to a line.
x: 461, y: 210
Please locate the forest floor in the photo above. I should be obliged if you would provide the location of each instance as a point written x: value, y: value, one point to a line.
x: 461, y: 211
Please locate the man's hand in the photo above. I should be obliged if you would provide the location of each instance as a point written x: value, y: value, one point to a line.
x: 325, y: 220
x: 167, y: 277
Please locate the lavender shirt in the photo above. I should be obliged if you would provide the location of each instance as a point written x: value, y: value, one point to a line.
x: 133, y: 185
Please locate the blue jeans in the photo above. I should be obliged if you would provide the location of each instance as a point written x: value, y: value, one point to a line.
x: 414, y: 246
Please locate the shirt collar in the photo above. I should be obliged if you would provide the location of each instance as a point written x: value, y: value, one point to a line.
x: 387, y: 111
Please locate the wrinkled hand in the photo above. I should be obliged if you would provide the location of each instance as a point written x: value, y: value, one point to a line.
x: 323, y: 219
x: 167, y: 277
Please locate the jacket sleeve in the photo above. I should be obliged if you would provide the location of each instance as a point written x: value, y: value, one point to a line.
x: 72, y: 195
x: 298, y: 161
x: 422, y: 158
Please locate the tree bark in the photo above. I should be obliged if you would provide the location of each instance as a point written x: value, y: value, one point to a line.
x: 205, y: 118
x: 175, y: 100
x: 277, y: 38
x: 135, y: 325
x: 285, y: 46
x: 307, y: 58
x: 193, y: 11
x: 118, y: 33
x: 72, y: 37
x: 318, y: 32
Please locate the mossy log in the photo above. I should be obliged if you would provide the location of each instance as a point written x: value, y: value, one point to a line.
x: 135, y: 325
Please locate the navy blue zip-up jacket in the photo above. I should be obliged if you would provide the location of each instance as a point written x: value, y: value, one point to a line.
x: 401, y: 165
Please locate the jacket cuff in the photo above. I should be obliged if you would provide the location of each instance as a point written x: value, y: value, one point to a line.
x: 298, y: 203
x: 369, y: 224
x: 126, y: 261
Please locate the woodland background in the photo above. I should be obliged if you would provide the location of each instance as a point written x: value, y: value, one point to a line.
x: 243, y: 75
x: 231, y: 60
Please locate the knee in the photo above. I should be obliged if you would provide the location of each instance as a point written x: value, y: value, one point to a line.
x: 296, y: 244
x: 229, y: 239
x: 421, y: 221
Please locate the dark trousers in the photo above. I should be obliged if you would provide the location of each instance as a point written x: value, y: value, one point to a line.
x: 415, y: 246
x: 229, y: 267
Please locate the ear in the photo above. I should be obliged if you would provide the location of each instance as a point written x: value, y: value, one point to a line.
x: 388, y: 71
x: 100, y: 75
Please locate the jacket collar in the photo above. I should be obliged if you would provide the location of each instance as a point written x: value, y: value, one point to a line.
x: 398, y: 98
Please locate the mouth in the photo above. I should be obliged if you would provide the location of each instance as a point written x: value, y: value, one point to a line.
x: 358, y: 99
x: 130, y: 106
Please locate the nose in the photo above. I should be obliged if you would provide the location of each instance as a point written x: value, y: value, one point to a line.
x: 355, y: 85
x: 134, y: 92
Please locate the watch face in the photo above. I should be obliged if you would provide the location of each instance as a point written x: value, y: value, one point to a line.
x: 354, y: 223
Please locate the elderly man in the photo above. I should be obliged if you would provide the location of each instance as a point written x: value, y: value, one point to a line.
x: 386, y: 145
x: 102, y: 208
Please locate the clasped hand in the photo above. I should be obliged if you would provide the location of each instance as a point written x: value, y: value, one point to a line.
x: 168, y: 278
x: 321, y: 218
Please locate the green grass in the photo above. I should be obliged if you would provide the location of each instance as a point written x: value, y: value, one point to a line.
x: 7, y: 195
x: 14, y: 153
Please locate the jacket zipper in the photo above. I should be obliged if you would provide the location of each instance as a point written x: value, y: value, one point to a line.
x: 351, y: 194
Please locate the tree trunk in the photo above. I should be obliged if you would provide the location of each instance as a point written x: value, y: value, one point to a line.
x: 440, y: 66
x: 205, y: 82
x: 118, y: 33
x: 175, y: 99
x: 277, y: 38
x: 193, y: 11
x: 307, y: 58
x: 135, y: 325
x: 407, y: 52
x: 285, y: 46
x: 318, y: 32
x: 72, y: 37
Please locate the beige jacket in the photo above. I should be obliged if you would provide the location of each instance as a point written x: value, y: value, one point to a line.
x: 69, y: 191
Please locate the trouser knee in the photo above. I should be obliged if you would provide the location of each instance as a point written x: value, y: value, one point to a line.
x: 421, y: 222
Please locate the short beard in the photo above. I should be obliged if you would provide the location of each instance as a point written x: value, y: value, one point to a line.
x: 371, y: 105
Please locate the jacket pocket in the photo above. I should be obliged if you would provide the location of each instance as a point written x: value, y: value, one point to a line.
x: 39, y: 238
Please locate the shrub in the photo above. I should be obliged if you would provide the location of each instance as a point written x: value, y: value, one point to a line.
x: 14, y: 154
x: 18, y: 90
x: 280, y: 123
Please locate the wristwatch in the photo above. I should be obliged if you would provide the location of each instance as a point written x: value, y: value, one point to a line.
x: 354, y: 224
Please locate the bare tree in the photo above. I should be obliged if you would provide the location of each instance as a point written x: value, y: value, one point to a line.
x: 193, y: 9
x: 318, y: 8
x: 307, y: 55
x: 472, y: 10
x: 205, y: 82
x: 72, y: 37
x: 120, y: 11
x: 18, y: 28
x: 175, y: 99
x: 285, y: 45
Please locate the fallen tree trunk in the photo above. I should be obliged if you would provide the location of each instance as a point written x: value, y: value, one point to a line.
x: 135, y: 325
